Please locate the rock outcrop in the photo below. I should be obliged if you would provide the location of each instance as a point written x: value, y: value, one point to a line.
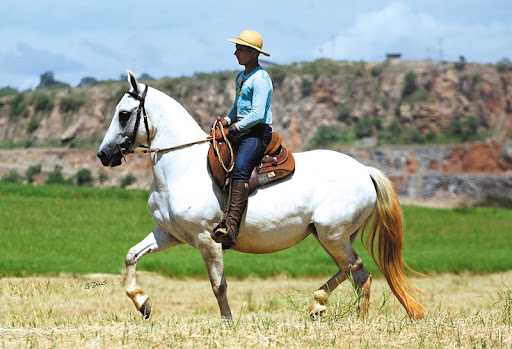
x: 422, y: 101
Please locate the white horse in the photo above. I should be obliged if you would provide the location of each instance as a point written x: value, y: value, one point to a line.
x: 330, y: 195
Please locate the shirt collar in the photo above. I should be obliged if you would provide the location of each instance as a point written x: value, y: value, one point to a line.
x: 245, y: 77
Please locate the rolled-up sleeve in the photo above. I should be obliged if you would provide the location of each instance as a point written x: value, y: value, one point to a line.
x: 261, y: 91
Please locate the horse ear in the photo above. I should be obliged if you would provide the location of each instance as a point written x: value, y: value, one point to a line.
x: 133, y: 82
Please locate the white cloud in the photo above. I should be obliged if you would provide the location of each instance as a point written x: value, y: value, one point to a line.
x: 397, y: 28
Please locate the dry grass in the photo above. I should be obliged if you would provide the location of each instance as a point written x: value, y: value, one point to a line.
x: 92, y: 311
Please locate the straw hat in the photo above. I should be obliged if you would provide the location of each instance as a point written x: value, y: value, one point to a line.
x: 251, y: 39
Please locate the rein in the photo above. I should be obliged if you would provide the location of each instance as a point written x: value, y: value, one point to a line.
x: 141, y: 110
x: 211, y: 138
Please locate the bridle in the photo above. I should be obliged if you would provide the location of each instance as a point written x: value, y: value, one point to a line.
x: 140, y: 110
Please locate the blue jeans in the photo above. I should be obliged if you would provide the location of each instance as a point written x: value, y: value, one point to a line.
x: 250, y: 150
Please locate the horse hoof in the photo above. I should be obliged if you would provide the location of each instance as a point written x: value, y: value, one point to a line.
x: 145, y: 309
x: 317, y: 311
x: 219, y: 233
x: 227, y: 321
x: 364, y: 299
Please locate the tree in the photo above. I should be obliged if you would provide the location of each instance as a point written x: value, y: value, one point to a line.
x: 146, y: 76
x: 504, y: 65
x: 461, y: 64
x: 47, y: 80
x: 87, y: 81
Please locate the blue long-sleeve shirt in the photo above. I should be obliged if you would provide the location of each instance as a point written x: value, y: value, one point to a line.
x: 253, y: 101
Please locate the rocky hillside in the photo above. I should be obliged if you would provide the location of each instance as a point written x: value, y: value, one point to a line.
x: 316, y: 104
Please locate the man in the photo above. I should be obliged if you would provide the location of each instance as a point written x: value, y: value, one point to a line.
x: 249, y: 122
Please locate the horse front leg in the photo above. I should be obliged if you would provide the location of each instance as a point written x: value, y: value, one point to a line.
x: 214, y: 259
x: 156, y: 241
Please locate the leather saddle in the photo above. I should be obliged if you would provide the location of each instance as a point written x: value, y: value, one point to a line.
x: 277, y: 163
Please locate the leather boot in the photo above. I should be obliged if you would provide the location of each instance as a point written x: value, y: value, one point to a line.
x: 227, y: 231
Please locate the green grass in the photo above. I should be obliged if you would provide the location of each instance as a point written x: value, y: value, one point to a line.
x: 53, y: 229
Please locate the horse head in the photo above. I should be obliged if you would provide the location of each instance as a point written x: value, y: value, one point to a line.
x: 126, y: 130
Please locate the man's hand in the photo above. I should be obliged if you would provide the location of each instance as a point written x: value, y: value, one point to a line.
x: 233, y: 130
x: 222, y: 120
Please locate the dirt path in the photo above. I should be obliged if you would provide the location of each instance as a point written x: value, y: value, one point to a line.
x: 92, y: 311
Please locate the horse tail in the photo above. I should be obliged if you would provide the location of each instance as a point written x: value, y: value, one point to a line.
x: 384, y: 242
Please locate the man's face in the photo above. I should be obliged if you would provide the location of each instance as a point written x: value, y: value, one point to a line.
x: 245, y: 54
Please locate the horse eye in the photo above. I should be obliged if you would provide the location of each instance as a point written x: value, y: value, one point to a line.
x: 124, y: 116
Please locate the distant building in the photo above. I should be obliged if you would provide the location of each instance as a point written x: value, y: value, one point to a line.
x: 393, y: 57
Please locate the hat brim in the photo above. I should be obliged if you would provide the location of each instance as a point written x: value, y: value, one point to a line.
x: 245, y: 43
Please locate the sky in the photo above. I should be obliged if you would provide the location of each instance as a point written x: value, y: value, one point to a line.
x: 103, y: 39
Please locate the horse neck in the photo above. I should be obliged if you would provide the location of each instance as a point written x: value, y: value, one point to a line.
x: 174, y: 126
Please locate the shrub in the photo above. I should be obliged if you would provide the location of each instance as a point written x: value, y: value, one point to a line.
x: 475, y: 79
x: 72, y: 103
x: 413, y: 135
x: 430, y: 137
x: 32, y: 171
x: 326, y: 136
x: 344, y: 114
x: 84, y: 177
x: 464, y: 129
x: 127, y: 180
x: 307, y: 87
x: 396, y: 133
x: 359, y: 69
x: 56, y: 177
x: 470, y: 127
x: 385, y: 103
x: 42, y: 102
x: 321, y: 66
x: 12, y: 177
x: 409, y: 84
x: 7, y: 91
x: 376, y: 70
x: 81, y: 143
x: 103, y: 177
x: 366, y: 126
x: 32, y: 125
x: 392, y: 133
x: 18, y: 104
x: 419, y: 95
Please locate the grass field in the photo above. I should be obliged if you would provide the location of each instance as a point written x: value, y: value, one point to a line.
x: 465, y: 311
x: 54, y: 229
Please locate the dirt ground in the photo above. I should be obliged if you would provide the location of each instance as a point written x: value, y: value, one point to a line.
x: 92, y: 311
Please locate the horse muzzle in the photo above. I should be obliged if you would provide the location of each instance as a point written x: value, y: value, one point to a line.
x: 110, y: 157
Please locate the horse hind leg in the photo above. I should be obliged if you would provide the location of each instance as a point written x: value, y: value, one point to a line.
x: 350, y: 267
x: 155, y: 241
x: 362, y: 282
x: 319, y: 306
